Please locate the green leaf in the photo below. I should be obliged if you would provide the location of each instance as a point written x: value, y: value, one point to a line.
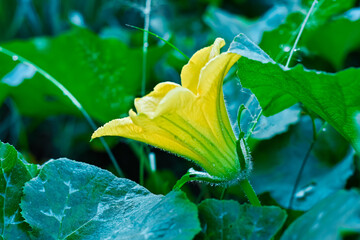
x: 334, y: 217
x: 278, y: 42
x: 334, y: 97
x: 278, y: 161
x: 333, y: 47
x: 235, y: 96
x: 75, y: 200
x: 228, y: 219
x: 103, y: 74
x: 227, y: 25
x: 15, y: 172
x: 268, y: 127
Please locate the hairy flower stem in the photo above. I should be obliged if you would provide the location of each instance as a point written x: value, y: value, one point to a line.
x: 250, y: 193
x: 193, y: 175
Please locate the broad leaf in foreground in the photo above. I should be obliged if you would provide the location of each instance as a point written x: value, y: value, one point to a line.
x: 228, y: 219
x: 333, y: 218
x: 74, y: 200
x: 15, y: 172
x: 334, y: 97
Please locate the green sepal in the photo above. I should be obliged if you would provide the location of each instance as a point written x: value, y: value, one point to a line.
x: 193, y: 175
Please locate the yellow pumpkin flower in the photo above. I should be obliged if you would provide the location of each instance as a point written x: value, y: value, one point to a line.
x: 190, y: 119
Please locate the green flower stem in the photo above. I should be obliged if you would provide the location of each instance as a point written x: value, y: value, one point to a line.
x: 193, y: 175
x: 250, y: 193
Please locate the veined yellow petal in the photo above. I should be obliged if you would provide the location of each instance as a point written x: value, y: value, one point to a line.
x: 211, y: 91
x: 212, y: 75
x: 187, y: 113
x: 191, y: 71
x: 172, y: 131
x: 177, y: 99
x: 117, y: 127
x: 189, y: 120
x: 148, y: 104
x: 151, y: 134
x: 215, y: 50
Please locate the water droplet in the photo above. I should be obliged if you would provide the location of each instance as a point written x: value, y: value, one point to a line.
x: 76, y: 18
x: 15, y: 58
x: 304, y: 192
x: 214, y: 165
x: 18, y: 75
x: 286, y: 49
x: 324, y: 129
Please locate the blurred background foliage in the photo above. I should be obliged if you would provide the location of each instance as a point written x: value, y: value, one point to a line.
x: 88, y: 46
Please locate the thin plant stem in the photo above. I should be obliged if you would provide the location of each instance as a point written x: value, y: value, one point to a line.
x: 298, y: 177
x: 248, y: 134
x: 307, y: 155
x: 222, y: 193
x: 300, y: 32
x: 142, y: 166
x: 147, y: 11
x: 250, y: 193
x: 140, y: 153
x: 162, y: 39
x: 315, y: 135
x: 289, y: 59
x: 71, y: 97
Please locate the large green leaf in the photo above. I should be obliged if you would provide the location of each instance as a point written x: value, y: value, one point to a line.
x: 74, y: 200
x: 334, y: 97
x: 228, y: 219
x: 15, y: 172
x: 334, y: 217
x: 278, y: 161
x: 103, y: 74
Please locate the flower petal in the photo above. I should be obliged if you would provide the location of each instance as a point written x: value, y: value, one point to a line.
x: 187, y: 113
x: 175, y: 134
x: 210, y: 90
x: 212, y: 75
x: 189, y: 120
x: 190, y: 72
x: 148, y: 104
x: 151, y: 134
